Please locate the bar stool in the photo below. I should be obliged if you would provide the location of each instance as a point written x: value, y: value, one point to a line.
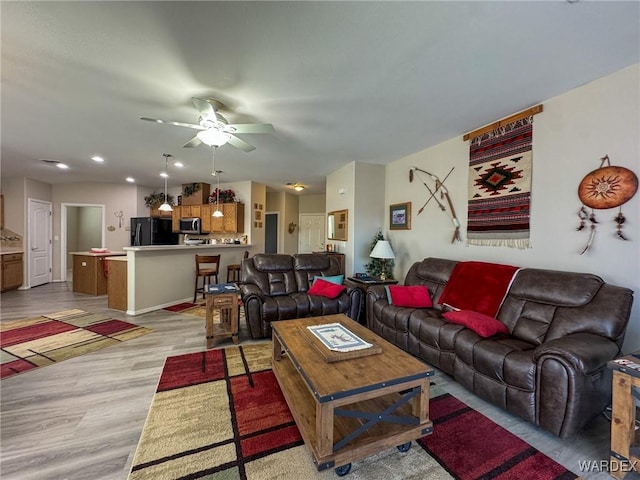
x: 233, y: 270
x: 206, y: 267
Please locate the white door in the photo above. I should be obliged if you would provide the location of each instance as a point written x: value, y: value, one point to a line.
x: 39, y: 242
x: 311, y: 236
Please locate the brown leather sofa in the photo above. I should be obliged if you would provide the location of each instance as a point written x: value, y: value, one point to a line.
x: 550, y: 369
x: 274, y: 287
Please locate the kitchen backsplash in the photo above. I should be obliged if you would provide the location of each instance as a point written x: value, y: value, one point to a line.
x: 9, y: 239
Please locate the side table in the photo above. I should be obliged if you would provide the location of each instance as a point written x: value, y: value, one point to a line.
x: 625, y: 445
x: 364, y: 284
x: 226, y: 303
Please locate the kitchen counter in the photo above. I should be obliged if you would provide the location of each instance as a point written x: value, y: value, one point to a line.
x: 162, y: 275
x: 90, y: 271
x: 157, y: 248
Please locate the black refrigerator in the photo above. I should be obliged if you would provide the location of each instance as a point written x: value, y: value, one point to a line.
x: 152, y: 231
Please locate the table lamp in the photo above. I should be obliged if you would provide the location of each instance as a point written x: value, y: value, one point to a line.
x: 383, y: 251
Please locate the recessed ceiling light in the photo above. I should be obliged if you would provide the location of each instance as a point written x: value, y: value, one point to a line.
x: 130, y: 179
x: 164, y: 174
x: 98, y: 159
x: 178, y: 164
x: 62, y: 166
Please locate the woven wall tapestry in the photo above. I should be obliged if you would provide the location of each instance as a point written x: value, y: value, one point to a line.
x: 500, y: 186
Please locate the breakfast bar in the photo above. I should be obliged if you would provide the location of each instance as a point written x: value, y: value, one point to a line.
x: 163, y: 275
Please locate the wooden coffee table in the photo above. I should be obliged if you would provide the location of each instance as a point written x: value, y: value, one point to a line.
x: 353, y: 408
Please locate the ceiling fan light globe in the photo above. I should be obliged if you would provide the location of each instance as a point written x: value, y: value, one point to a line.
x: 213, y: 137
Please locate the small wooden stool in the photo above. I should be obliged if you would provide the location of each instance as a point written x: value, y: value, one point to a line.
x: 233, y: 270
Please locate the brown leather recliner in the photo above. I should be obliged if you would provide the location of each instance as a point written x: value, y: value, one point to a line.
x: 551, y: 369
x: 274, y: 287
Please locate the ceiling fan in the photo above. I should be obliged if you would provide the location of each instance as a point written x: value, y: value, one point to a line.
x: 215, y: 130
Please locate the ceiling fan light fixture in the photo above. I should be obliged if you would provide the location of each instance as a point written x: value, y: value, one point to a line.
x: 298, y: 188
x: 213, y: 137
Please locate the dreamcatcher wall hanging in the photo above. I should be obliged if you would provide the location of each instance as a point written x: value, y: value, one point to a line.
x: 604, y: 188
x: 444, y: 195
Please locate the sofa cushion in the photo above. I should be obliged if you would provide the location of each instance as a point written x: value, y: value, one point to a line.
x: 326, y: 289
x: 337, y: 279
x: 483, y: 325
x: 413, y: 296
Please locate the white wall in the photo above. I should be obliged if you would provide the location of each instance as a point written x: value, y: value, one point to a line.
x: 369, y: 205
x: 575, y: 130
x: 312, y: 203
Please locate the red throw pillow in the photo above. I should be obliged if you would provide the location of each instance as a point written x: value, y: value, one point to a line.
x: 482, y: 324
x: 416, y: 296
x: 326, y: 289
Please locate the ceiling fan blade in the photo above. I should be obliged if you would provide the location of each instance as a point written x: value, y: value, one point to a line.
x: 177, y: 124
x: 250, y: 128
x: 241, y: 144
x: 205, y: 109
x: 194, y: 142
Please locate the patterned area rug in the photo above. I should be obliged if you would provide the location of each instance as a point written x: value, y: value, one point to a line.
x: 36, y: 342
x: 220, y: 414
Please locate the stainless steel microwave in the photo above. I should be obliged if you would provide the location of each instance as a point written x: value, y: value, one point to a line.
x: 190, y: 225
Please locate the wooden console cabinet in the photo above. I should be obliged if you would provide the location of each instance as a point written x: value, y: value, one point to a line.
x: 11, y: 271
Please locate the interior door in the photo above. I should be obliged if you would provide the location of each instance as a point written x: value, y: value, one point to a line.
x: 271, y: 233
x: 39, y: 243
x: 311, y: 235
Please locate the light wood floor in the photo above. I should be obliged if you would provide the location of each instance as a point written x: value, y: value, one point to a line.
x: 82, y: 418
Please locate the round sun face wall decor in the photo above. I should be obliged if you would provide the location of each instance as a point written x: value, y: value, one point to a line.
x: 603, y: 188
x: 607, y: 187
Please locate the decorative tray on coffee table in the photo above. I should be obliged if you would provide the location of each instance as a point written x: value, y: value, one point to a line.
x: 335, y: 342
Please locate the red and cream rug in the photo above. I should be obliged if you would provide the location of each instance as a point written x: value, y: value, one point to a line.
x: 36, y: 342
x: 220, y: 414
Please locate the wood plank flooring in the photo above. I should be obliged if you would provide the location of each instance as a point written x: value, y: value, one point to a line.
x: 82, y: 418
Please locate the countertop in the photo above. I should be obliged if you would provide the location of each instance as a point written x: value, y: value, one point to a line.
x: 9, y: 251
x: 158, y: 248
x: 121, y: 258
x: 98, y: 254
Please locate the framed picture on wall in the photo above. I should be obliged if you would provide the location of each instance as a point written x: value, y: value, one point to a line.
x: 400, y: 216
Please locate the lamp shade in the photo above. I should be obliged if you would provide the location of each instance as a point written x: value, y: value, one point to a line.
x: 382, y: 250
x: 213, y: 137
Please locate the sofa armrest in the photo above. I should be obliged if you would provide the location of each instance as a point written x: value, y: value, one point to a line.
x: 377, y: 292
x: 586, y: 352
x: 248, y: 289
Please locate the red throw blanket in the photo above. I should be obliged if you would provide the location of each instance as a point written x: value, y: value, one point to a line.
x: 478, y: 286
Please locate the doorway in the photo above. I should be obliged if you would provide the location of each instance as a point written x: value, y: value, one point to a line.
x: 82, y: 228
x: 39, y: 253
x: 271, y: 220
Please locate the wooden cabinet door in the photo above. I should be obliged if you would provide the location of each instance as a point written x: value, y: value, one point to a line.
x: 217, y: 223
x: 176, y: 215
x: 205, y: 215
x: 196, y: 211
x: 11, y: 271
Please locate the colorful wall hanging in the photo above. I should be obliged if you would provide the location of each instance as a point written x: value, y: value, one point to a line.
x: 500, y: 185
x: 603, y: 188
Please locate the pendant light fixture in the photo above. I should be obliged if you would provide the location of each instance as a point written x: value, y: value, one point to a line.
x: 216, y: 173
x: 165, y: 207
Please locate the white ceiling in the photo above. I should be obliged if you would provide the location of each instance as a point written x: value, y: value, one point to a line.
x: 339, y: 81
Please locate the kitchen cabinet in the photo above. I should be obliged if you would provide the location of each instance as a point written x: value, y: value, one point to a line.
x: 191, y: 211
x: 205, y: 216
x: 90, y: 271
x: 11, y: 264
x: 117, y: 283
x: 175, y: 219
x: 232, y: 220
x: 156, y: 212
